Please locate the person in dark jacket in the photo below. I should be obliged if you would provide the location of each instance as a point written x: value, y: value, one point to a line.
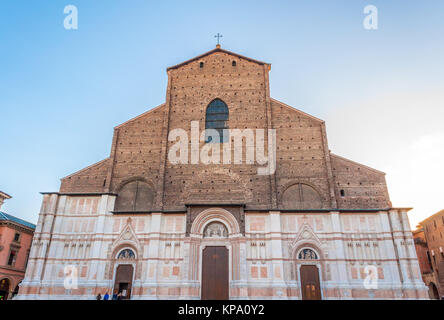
x: 99, y: 297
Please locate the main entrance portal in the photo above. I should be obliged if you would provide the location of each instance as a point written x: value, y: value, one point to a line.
x: 311, y: 289
x: 124, y: 280
x: 215, y: 273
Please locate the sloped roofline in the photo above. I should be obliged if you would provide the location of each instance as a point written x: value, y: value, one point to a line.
x: 294, y: 109
x: 86, y: 168
x: 418, y: 229
x: 431, y: 217
x: 7, y: 217
x: 5, y: 195
x: 217, y: 49
x: 107, y: 159
x: 139, y: 116
x: 357, y: 163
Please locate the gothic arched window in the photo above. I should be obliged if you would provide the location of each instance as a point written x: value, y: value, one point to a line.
x: 134, y: 196
x: 307, y: 254
x: 126, y: 254
x: 216, y: 118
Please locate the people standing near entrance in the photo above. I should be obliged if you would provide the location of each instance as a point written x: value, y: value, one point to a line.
x: 115, y: 295
x: 106, y: 296
x: 99, y: 297
x: 119, y: 296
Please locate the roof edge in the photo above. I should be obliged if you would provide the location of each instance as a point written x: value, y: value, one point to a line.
x: 298, y: 110
x: 357, y: 163
x: 431, y: 217
x: 217, y: 49
x: 17, y: 220
x: 140, y: 115
x: 86, y: 168
x: 79, y: 193
x: 5, y: 195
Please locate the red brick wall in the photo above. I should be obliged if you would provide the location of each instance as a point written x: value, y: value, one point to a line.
x: 363, y: 187
x: 140, y: 146
x: 243, y: 89
x: 421, y: 251
x: 136, y: 149
x: 90, y: 179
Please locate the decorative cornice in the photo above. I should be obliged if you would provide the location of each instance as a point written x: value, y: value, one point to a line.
x: 16, y: 226
x: 206, y: 204
x: 86, y: 194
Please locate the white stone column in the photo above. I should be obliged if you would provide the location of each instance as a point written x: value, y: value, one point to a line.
x: 388, y: 250
x: 52, y: 265
x: 398, y: 234
x: 276, y: 250
x: 186, y: 250
x: 243, y: 274
x: 45, y: 236
x: 341, y: 276
x: 99, y: 245
x: 154, y: 244
x: 412, y: 262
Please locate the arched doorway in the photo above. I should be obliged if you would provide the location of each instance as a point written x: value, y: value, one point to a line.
x: 4, y: 289
x: 433, y: 291
x: 215, y: 273
x: 309, y: 274
x: 215, y: 227
x: 123, y: 280
x: 215, y: 265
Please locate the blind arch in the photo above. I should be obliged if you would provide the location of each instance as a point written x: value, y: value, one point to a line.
x: 135, y: 196
x: 301, y: 196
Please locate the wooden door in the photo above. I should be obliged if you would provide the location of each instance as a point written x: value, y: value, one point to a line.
x: 215, y: 273
x: 4, y: 289
x: 311, y: 288
x: 124, y: 280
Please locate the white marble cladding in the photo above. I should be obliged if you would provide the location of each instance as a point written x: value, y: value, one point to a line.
x: 83, y: 232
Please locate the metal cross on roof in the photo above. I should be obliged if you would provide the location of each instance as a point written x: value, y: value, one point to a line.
x: 218, y: 36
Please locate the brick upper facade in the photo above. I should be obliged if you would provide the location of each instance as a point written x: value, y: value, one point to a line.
x: 140, y: 147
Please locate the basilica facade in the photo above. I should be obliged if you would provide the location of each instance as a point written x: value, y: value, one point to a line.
x: 161, y: 219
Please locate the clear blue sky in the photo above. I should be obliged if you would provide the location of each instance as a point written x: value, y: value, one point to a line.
x: 62, y: 92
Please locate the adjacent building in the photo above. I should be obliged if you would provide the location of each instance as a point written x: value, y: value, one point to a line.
x: 163, y: 217
x: 15, y: 244
x: 429, y: 243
